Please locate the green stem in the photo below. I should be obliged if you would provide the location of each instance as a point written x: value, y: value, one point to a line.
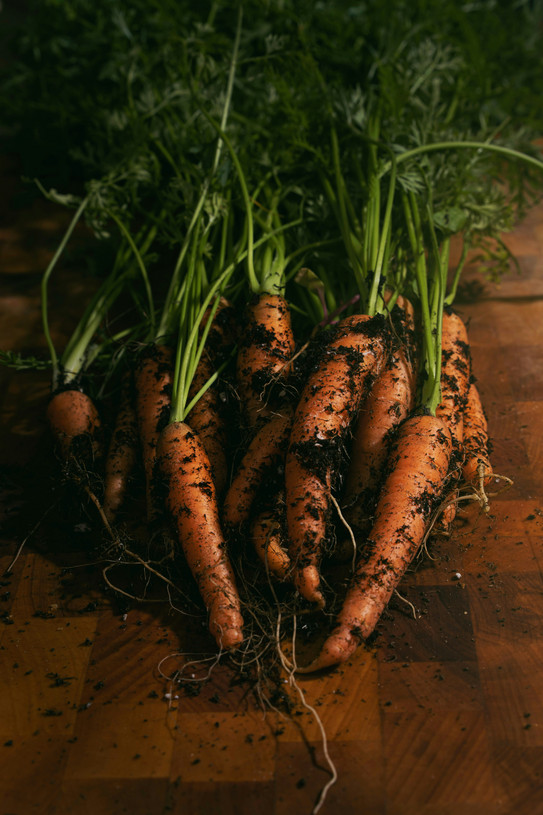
x: 143, y: 270
x: 458, y: 273
x: 508, y: 152
x: 44, y: 288
x: 251, y: 274
x: 172, y: 297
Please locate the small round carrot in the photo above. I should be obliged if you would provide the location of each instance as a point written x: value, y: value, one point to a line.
x: 122, y: 452
x: 266, y: 450
x: 476, y: 443
x: 328, y: 404
x: 269, y: 539
x: 263, y: 355
x: 152, y: 385
x: 75, y: 425
x: 419, y: 467
x: 192, y: 503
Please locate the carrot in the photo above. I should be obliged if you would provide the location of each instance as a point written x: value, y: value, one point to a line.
x: 122, y: 452
x: 455, y: 374
x: 389, y: 402
x: 206, y: 419
x: 269, y: 539
x: 476, y: 465
x: 191, y: 501
x: 328, y: 404
x: 75, y: 425
x: 206, y: 416
x: 418, y: 470
x: 263, y: 355
x: 455, y: 380
x: 266, y: 450
x: 152, y: 384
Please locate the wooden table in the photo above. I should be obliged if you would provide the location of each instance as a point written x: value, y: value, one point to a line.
x: 443, y: 715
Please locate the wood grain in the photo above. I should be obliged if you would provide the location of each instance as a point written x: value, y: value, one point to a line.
x: 441, y: 715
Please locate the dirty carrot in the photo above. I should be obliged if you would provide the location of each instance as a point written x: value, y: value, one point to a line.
x: 269, y: 539
x: 476, y: 463
x: 389, y: 402
x: 327, y: 407
x: 266, y: 450
x: 75, y: 425
x: 454, y: 384
x: 191, y: 501
x: 122, y: 452
x: 455, y: 374
x: 263, y: 355
x: 152, y: 382
x: 206, y: 419
x: 418, y: 470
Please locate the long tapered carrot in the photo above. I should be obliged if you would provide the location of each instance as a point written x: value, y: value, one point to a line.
x: 416, y: 477
x: 476, y: 464
x: 191, y: 500
x: 75, y: 425
x: 152, y: 384
x: 263, y: 355
x: 455, y: 374
x: 122, y: 452
x: 455, y: 382
x: 389, y: 402
x: 266, y: 450
x: 206, y: 417
x: 328, y: 404
x: 207, y: 420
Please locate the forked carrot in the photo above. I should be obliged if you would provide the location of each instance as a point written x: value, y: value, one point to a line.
x: 263, y: 355
x: 266, y: 450
x: 122, y: 452
x: 75, y: 425
x: 328, y: 404
x: 152, y: 384
x: 192, y: 503
x: 419, y: 467
x: 455, y: 374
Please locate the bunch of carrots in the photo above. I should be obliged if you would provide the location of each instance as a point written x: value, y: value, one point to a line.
x: 292, y: 386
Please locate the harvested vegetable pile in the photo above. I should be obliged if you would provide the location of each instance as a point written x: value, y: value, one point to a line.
x: 269, y: 401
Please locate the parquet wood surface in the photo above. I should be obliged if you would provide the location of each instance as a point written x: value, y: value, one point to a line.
x: 443, y: 715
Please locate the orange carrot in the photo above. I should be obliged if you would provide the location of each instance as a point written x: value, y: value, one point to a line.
x: 263, y: 355
x: 152, y: 384
x: 476, y: 463
x: 328, y: 404
x: 269, y: 539
x: 455, y: 379
x: 417, y: 474
x: 266, y: 450
x: 75, y: 426
x: 389, y: 402
x: 455, y: 374
x: 192, y: 503
x: 122, y: 452
x: 206, y: 419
